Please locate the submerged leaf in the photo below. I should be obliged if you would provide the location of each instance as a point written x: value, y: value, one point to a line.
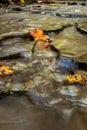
x: 5, y: 70
x: 22, y: 1
x: 75, y: 78
x: 43, y: 45
x: 38, y: 34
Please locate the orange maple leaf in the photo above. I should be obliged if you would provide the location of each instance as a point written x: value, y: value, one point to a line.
x: 38, y: 34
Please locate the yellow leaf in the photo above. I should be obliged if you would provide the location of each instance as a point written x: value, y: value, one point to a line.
x: 75, y: 78
x: 5, y: 70
x: 22, y: 1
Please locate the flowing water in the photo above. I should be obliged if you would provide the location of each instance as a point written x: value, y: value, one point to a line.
x: 37, y: 96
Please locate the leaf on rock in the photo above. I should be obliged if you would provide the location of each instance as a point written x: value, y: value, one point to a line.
x: 38, y: 34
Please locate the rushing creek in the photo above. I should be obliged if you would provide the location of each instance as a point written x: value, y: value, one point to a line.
x: 37, y: 96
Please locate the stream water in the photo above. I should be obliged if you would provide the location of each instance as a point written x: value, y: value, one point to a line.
x: 37, y: 96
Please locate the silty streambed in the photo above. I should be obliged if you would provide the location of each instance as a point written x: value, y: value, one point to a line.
x: 37, y: 96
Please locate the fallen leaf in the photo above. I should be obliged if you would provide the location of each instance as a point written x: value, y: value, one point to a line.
x: 5, y: 70
x: 75, y: 78
x: 43, y: 45
x: 38, y: 34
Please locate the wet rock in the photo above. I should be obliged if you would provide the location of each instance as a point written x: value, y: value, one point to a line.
x: 45, y: 53
x: 10, y: 35
x: 37, y: 99
x: 72, y: 11
x: 55, y: 101
x: 38, y: 80
x: 19, y: 66
x: 57, y: 77
x: 31, y: 21
x: 82, y: 26
x: 15, y: 8
x: 17, y: 87
x: 66, y: 65
x: 11, y: 52
x: 29, y: 84
x: 66, y: 11
x: 70, y: 44
x: 70, y: 91
x: 3, y: 89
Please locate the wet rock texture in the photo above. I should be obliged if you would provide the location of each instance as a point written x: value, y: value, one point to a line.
x: 40, y: 74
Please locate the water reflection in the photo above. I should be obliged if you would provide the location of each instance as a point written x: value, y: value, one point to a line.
x: 17, y: 113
